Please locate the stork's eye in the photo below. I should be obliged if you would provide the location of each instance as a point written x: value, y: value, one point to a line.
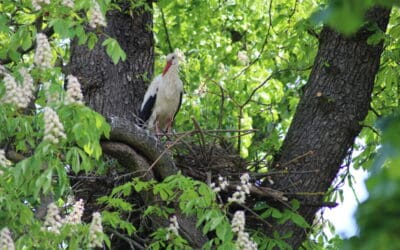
x: 173, y: 57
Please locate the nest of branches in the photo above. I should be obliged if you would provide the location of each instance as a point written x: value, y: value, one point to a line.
x: 200, y: 154
x: 204, y: 162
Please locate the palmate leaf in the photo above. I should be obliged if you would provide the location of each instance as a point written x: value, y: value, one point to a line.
x: 114, y: 50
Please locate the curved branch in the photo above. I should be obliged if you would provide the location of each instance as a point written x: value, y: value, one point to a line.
x: 127, y: 144
x: 144, y: 143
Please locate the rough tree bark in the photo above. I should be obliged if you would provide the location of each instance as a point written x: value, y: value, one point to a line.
x: 327, y: 120
x: 117, y: 90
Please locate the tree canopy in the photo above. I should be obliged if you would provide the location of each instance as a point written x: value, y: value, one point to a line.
x: 236, y: 172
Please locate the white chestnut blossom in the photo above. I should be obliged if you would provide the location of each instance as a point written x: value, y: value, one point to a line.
x: 74, y: 93
x: 12, y: 90
x: 243, y: 58
x: 75, y: 217
x: 68, y: 3
x: 37, y: 4
x: 53, y: 221
x: 96, y: 231
x: 244, y: 242
x: 243, y: 239
x: 43, y: 55
x: 222, y: 184
x: 238, y: 221
x: 27, y: 87
x: 3, y: 161
x: 19, y: 95
x: 240, y: 195
x: 173, y: 226
x: 53, y: 128
x: 96, y: 18
x: 6, y: 242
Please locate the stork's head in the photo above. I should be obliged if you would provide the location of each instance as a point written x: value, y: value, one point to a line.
x: 172, y: 63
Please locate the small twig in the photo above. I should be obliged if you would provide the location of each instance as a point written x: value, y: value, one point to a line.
x: 240, y: 127
x: 209, y: 131
x: 306, y: 193
x: 311, y: 152
x: 256, y: 215
x: 88, y: 177
x: 233, y: 136
x: 133, y: 244
x: 293, y: 11
x: 329, y: 204
x: 221, y: 106
x: 258, y: 175
x: 165, y: 151
x: 375, y: 112
x: 258, y: 87
x: 166, y: 30
x: 198, y: 128
x: 372, y: 128
x: 261, y: 191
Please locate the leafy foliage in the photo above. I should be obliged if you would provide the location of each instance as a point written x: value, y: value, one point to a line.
x: 377, y: 216
x: 247, y: 61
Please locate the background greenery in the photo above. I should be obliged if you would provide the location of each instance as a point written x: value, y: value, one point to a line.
x: 222, y: 91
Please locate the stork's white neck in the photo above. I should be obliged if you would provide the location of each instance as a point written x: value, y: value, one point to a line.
x: 172, y: 74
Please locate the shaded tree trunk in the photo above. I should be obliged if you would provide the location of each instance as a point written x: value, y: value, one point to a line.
x: 117, y: 90
x: 327, y: 120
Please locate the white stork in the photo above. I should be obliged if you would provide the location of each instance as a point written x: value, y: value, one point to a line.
x: 163, y: 98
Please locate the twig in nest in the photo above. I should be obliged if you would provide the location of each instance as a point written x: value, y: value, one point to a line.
x: 259, y: 175
x: 209, y: 131
x: 198, y: 128
x: 256, y: 215
x: 307, y: 194
x: 132, y: 244
x: 164, y: 152
x: 328, y: 204
x: 311, y: 152
x: 87, y: 177
x: 262, y: 191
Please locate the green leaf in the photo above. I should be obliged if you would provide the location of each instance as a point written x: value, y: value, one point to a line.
x: 92, y: 40
x: 114, y: 50
x: 376, y: 38
x: 62, y: 27
x: 224, y: 231
x: 276, y: 213
x: 299, y: 220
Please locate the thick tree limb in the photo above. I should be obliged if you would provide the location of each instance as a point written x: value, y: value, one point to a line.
x: 125, y: 142
x: 143, y: 142
x: 327, y: 120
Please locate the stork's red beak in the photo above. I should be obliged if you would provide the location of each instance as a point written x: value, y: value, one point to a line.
x: 169, y: 63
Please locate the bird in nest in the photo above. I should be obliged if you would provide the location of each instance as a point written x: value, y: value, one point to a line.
x: 163, y: 98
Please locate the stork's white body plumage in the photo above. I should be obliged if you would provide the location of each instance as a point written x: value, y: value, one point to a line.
x: 163, y: 97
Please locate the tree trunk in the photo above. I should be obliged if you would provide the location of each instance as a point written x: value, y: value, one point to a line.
x: 117, y: 90
x: 327, y: 120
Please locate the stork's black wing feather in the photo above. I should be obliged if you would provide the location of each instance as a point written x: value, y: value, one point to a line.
x: 179, y: 105
x: 145, y: 112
